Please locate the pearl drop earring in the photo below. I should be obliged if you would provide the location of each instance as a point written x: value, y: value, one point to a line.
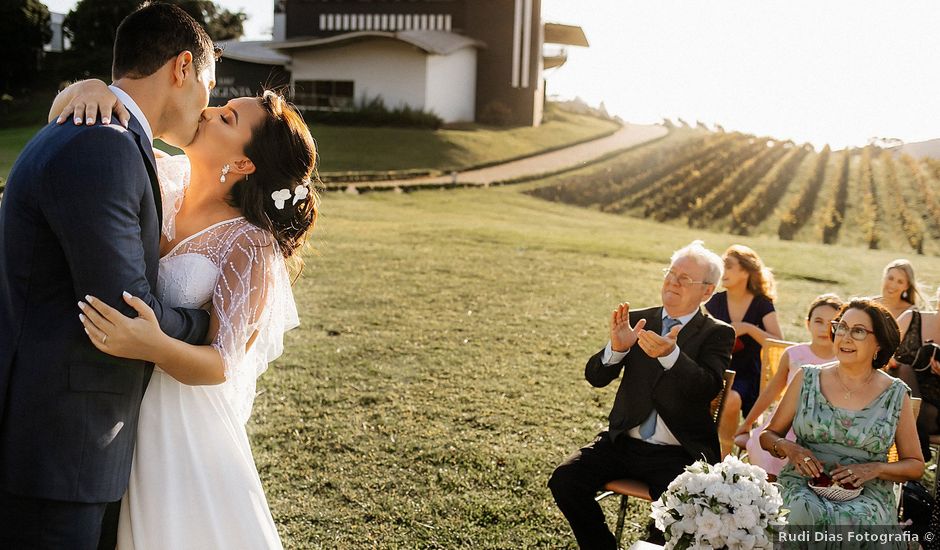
x: 224, y: 172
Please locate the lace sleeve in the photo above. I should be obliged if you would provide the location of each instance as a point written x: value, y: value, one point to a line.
x: 173, y: 175
x: 254, y: 305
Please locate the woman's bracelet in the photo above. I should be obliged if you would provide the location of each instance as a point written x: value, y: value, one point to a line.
x: 774, y: 448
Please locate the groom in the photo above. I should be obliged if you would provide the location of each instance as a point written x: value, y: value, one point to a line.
x: 81, y: 215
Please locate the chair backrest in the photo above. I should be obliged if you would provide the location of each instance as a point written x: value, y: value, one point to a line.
x: 770, y: 354
x: 718, y: 403
x: 893, y: 451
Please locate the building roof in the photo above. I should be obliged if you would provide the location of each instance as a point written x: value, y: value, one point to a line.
x: 571, y: 35
x: 252, y: 52
x: 433, y: 42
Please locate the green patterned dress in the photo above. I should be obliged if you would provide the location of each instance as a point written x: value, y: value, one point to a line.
x: 843, y: 436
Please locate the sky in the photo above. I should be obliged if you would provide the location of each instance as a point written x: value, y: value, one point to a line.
x: 833, y: 71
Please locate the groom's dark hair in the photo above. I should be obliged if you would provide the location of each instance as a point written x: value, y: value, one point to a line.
x: 154, y: 34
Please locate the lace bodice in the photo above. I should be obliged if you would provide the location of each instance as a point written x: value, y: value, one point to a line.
x: 237, y: 269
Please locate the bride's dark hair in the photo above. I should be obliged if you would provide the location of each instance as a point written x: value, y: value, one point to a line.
x: 285, y: 158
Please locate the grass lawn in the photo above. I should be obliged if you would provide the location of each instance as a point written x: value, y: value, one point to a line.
x: 362, y: 149
x: 437, y: 378
x: 344, y: 149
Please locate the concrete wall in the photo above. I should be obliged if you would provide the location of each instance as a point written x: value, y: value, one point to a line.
x: 380, y: 67
x: 451, y: 85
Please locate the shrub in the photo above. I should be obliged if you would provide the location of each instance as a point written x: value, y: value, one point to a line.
x: 373, y: 112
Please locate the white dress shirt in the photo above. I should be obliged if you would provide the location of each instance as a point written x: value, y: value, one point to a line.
x: 662, y: 435
x: 134, y: 109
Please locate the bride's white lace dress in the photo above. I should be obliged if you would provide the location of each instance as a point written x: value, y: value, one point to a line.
x: 194, y: 484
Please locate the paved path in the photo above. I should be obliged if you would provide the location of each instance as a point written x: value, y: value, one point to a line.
x: 546, y: 163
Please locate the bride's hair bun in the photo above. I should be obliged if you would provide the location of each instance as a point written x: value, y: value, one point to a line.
x: 285, y: 158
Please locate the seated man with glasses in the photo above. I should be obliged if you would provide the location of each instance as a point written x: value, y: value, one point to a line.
x: 672, y: 359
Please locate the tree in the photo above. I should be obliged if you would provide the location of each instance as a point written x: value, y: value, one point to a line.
x: 24, y: 29
x: 92, y: 26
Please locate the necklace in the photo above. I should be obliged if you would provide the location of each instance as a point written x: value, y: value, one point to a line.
x: 848, y: 392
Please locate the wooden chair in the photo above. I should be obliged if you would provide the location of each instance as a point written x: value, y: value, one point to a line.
x: 770, y: 354
x: 893, y: 451
x: 627, y: 488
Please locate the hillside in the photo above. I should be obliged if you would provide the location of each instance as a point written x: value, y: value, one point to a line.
x: 752, y: 185
x: 921, y: 149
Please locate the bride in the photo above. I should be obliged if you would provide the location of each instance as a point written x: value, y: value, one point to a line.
x: 236, y: 206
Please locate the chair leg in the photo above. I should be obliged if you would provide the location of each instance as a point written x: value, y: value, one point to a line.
x: 620, y: 519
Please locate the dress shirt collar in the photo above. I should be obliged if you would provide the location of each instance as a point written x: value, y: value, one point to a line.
x: 684, y: 319
x: 134, y: 109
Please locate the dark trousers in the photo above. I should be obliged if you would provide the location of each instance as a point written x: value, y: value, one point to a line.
x: 39, y: 524
x: 576, y: 482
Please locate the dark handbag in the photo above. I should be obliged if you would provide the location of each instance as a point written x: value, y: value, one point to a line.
x: 916, y: 506
x: 925, y: 353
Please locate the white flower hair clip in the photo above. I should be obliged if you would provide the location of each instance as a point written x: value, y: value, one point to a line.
x: 300, y: 193
x: 280, y: 196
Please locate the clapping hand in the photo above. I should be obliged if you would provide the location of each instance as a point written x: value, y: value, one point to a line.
x: 655, y: 345
x: 622, y: 335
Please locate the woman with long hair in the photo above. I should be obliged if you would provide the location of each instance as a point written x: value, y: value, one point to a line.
x: 899, y: 291
x: 747, y: 303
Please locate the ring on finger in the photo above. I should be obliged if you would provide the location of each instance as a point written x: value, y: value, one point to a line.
x: 806, y: 459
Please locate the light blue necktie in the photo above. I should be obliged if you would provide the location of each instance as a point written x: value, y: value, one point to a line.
x: 648, y: 427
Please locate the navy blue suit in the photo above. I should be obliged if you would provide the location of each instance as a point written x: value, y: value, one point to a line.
x: 81, y: 215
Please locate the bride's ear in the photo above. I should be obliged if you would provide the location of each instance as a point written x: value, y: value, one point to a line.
x: 182, y: 64
x: 243, y: 166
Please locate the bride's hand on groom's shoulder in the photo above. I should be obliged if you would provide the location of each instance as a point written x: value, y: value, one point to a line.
x: 114, y: 333
x: 83, y: 100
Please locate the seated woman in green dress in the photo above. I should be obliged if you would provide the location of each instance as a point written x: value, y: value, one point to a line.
x: 845, y: 416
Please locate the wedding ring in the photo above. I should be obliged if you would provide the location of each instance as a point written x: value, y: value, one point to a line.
x: 806, y: 459
x: 850, y: 472
x: 104, y: 339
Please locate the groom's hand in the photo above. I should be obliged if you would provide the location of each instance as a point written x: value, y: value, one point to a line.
x: 622, y: 335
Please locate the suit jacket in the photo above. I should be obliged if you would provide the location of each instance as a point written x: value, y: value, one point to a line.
x: 80, y: 215
x: 682, y: 394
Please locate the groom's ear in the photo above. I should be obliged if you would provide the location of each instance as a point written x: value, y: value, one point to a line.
x: 182, y: 67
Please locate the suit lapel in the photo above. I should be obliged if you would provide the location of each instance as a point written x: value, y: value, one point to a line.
x: 144, y: 144
x: 691, y: 328
x: 655, y: 322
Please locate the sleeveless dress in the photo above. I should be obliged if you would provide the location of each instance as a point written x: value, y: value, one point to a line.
x: 799, y: 355
x: 927, y: 381
x: 745, y: 356
x: 840, y: 435
x: 194, y: 484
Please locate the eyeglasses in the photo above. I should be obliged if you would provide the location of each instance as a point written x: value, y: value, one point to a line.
x: 683, y: 280
x: 858, y: 332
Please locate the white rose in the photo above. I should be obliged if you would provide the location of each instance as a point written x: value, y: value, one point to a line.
x: 707, y: 524
x: 745, y: 516
x: 741, y: 540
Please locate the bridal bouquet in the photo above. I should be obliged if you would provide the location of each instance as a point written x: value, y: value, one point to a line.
x: 727, y: 505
